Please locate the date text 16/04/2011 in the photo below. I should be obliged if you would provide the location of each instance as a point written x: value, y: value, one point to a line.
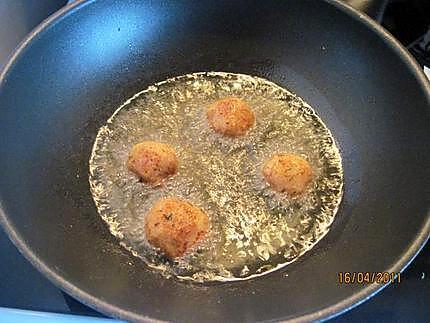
x: 368, y: 277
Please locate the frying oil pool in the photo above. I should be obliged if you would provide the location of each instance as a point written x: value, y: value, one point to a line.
x: 253, y: 230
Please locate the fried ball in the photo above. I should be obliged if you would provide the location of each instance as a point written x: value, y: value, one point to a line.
x: 230, y: 117
x: 287, y: 173
x: 152, y: 161
x: 175, y: 226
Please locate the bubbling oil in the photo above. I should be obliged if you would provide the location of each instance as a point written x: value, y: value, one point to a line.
x: 253, y: 229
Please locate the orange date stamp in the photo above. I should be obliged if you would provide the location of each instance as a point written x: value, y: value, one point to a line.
x: 349, y: 278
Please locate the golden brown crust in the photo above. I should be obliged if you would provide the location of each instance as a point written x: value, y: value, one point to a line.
x: 174, y: 226
x: 152, y: 161
x: 287, y: 173
x: 230, y: 117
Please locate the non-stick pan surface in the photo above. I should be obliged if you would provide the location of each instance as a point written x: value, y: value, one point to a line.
x: 74, y: 70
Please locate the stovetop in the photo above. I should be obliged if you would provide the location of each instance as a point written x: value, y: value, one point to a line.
x: 23, y: 287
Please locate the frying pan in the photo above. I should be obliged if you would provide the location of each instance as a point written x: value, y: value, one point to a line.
x: 76, y: 68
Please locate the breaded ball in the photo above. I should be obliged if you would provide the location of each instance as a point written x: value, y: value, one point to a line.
x: 230, y: 117
x: 174, y: 226
x: 152, y: 161
x: 287, y: 173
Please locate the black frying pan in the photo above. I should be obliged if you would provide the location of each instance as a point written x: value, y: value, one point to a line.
x: 74, y: 70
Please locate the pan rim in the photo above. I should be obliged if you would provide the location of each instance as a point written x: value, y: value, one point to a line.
x: 322, y: 314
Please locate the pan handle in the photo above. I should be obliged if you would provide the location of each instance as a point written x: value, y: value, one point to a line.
x: 373, y: 8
